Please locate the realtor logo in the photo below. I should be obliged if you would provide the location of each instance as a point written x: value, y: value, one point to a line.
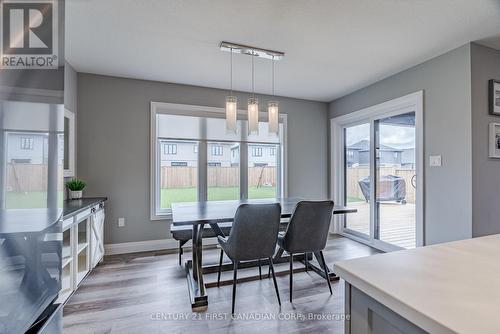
x: 29, y: 34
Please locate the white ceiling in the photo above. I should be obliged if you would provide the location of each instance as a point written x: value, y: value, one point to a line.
x: 332, y: 47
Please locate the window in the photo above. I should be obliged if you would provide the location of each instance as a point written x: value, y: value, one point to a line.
x: 170, y: 149
x: 223, y: 175
x: 178, y: 181
x: 256, y: 151
x: 262, y: 173
x: 27, y: 143
x: 217, y: 150
x: 208, y: 163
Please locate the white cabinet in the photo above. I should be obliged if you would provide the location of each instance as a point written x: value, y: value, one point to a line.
x: 83, y: 247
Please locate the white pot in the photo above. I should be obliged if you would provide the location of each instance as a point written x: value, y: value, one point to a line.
x: 75, y: 194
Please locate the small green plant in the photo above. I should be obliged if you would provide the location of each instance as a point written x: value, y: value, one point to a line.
x: 76, y: 185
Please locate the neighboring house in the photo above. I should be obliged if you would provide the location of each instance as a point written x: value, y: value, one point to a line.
x: 185, y: 154
x: 179, y: 154
x: 258, y: 155
x: 29, y: 148
x: 358, y: 154
x: 408, y: 158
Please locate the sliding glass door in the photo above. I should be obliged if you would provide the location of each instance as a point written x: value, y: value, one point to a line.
x: 380, y: 158
x: 395, y: 185
x: 357, y: 143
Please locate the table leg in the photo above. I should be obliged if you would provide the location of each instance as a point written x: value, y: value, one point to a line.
x: 194, y: 272
x: 199, y: 258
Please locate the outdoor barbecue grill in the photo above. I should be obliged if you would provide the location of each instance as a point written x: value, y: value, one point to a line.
x: 390, y: 188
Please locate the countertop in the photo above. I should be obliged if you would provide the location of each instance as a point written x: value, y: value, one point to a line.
x: 74, y: 206
x: 447, y: 288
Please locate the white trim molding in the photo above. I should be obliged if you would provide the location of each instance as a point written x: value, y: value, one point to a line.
x: 408, y: 103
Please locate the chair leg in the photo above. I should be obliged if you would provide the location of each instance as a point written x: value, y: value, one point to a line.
x: 326, y: 271
x: 220, y: 267
x: 291, y: 276
x: 234, y: 284
x: 260, y: 270
x: 306, y: 262
x: 271, y: 268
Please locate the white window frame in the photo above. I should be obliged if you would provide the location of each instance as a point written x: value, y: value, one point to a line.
x: 166, y: 150
x: 412, y: 102
x: 157, y: 108
x: 25, y: 139
x: 257, y: 151
x: 71, y: 170
x: 216, y: 150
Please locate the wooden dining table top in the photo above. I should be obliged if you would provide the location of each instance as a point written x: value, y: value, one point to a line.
x: 211, y: 212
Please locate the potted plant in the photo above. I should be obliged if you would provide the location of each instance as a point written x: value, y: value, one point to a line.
x: 75, y: 187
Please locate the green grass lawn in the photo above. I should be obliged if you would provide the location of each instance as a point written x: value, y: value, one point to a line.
x: 354, y: 199
x: 169, y: 196
x: 23, y: 200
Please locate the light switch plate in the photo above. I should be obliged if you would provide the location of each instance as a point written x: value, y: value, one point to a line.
x: 121, y: 222
x: 435, y: 161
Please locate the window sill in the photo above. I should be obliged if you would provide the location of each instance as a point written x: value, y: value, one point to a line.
x: 161, y: 217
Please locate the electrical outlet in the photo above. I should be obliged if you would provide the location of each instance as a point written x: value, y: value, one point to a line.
x: 121, y: 222
x: 435, y: 161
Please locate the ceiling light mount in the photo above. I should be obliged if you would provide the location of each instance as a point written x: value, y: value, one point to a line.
x: 251, y: 50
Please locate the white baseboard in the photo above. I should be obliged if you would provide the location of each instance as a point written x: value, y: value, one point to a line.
x: 148, y: 246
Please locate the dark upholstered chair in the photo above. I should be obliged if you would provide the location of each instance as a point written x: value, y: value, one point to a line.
x: 253, y: 237
x: 307, y: 232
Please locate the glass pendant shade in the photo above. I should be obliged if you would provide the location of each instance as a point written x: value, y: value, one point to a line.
x: 273, y: 114
x: 253, y: 116
x: 231, y: 113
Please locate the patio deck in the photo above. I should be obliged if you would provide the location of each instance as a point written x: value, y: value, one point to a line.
x: 397, y: 222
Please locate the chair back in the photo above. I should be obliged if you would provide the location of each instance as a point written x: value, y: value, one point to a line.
x: 308, y: 227
x: 254, y: 232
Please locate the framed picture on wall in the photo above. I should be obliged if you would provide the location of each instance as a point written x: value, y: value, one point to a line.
x: 495, y: 97
x: 495, y: 140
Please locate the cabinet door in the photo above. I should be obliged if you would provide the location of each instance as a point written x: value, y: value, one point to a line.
x: 97, y: 237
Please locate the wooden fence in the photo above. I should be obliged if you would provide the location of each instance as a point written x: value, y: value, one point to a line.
x: 29, y: 177
x: 355, y: 174
x: 187, y: 177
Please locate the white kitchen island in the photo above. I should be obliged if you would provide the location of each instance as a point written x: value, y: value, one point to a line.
x: 447, y: 288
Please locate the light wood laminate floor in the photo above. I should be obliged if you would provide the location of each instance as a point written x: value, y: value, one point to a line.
x: 147, y: 293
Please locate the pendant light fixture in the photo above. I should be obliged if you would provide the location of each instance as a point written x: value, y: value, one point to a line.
x: 231, y: 104
x: 253, y: 103
x: 253, y: 108
x: 273, y: 110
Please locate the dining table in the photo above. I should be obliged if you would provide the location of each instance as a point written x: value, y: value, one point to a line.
x: 197, y: 215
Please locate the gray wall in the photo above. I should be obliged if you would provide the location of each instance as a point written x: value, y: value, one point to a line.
x: 485, y: 64
x: 447, y: 117
x: 113, y: 146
